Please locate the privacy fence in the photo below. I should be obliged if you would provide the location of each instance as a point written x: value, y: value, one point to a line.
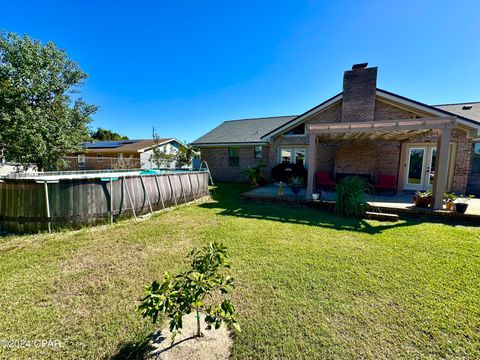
x: 44, y: 203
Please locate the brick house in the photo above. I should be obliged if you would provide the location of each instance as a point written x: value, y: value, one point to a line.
x: 363, y: 130
x: 133, y: 154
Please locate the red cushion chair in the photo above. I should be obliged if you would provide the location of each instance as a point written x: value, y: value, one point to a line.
x: 386, y: 182
x: 322, y: 179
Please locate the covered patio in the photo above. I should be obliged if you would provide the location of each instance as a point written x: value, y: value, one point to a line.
x: 394, y: 130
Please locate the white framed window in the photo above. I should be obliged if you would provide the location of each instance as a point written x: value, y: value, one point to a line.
x: 81, y: 160
x: 293, y: 155
x: 257, y: 152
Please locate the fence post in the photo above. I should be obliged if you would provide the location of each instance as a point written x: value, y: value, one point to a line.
x: 47, y: 204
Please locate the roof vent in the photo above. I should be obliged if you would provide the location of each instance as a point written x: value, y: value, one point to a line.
x: 467, y: 107
x: 359, y: 66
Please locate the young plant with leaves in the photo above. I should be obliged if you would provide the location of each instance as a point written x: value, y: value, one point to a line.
x: 191, y: 291
x: 184, y: 157
x: 160, y: 156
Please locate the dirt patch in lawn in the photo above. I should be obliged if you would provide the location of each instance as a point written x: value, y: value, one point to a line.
x: 214, y: 344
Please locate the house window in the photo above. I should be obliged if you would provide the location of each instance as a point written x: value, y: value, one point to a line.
x: 81, y: 160
x: 233, y: 157
x: 476, y: 159
x: 99, y: 157
x: 290, y: 155
x: 257, y: 152
x: 285, y: 156
x: 297, y: 130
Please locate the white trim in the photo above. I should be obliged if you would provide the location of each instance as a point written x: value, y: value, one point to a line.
x: 292, y: 148
x: 300, y: 118
x: 232, y: 144
x: 428, y: 146
x: 294, y: 136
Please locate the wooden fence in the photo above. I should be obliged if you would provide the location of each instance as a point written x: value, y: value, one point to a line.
x: 33, y: 205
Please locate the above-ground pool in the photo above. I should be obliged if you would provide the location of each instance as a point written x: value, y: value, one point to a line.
x: 42, y: 201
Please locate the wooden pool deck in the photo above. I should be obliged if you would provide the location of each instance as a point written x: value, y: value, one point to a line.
x: 400, y: 204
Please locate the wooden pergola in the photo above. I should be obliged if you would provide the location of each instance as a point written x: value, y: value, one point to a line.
x: 399, y: 130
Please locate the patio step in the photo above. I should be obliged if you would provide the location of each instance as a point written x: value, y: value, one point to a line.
x: 381, y: 216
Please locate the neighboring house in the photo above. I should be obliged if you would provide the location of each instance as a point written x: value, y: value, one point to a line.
x: 133, y: 154
x: 364, y: 131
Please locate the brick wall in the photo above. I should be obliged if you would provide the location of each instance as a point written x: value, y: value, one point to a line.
x: 387, y: 157
x: 355, y: 158
x: 217, y: 160
x: 359, y: 88
x: 384, y: 111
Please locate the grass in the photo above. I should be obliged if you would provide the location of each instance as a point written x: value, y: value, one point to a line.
x: 309, y: 284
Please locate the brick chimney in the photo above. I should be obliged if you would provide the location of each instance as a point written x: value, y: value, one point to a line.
x: 359, y: 86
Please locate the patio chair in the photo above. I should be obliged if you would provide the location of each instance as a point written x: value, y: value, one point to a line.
x: 386, y: 183
x: 323, y: 180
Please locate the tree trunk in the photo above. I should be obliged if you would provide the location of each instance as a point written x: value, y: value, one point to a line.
x: 199, y: 333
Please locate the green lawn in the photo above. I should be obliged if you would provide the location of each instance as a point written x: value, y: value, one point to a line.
x: 309, y: 284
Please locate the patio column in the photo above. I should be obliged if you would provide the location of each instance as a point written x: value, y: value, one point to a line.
x: 312, y: 162
x: 441, y: 168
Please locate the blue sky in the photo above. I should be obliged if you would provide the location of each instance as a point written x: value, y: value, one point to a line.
x: 186, y: 66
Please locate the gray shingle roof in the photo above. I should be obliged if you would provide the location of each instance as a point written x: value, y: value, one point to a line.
x: 463, y: 109
x: 242, y: 131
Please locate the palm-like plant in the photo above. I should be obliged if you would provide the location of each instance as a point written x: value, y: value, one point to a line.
x: 254, y: 173
x: 352, y: 196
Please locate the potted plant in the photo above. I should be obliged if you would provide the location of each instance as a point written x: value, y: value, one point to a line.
x: 422, y: 198
x: 450, y: 201
x: 461, y: 203
x: 295, y: 183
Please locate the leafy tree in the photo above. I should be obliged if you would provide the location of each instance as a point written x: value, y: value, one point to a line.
x: 184, y: 157
x: 187, y: 292
x: 106, y: 135
x: 39, y: 120
x: 159, y: 155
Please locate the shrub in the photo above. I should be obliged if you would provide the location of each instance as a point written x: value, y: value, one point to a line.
x: 180, y: 295
x: 351, y: 196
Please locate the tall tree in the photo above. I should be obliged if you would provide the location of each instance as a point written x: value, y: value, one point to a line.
x: 106, y: 135
x: 40, y: 121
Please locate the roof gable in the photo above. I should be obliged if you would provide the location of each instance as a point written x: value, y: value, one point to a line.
x: 473, y: 119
